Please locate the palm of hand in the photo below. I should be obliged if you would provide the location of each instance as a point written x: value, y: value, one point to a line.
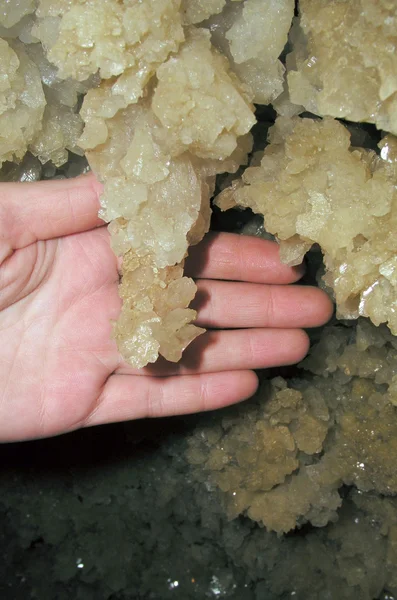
x: 59, y: 367
x: 55, y: 337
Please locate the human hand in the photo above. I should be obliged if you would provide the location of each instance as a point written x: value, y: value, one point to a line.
x: 59, y: 368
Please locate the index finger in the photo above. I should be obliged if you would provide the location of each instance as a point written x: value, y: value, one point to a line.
x: 235, y: 257
x: 47, y: 209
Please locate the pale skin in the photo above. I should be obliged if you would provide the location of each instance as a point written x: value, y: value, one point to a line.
x: 59, y: 367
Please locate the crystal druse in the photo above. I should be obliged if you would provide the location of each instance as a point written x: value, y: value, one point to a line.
x: 160, y: 97
x: 284, y: 458
x: 312, y: 187
x: 343, y: 63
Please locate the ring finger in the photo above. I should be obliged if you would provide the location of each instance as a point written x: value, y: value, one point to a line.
x: 234, y: 350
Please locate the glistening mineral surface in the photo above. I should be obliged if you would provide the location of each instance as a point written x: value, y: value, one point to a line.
x: 313, y: 187
x: 159, y: 96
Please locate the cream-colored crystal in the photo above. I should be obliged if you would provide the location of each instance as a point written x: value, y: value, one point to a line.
x: 283, y: 459
x: 158, y: 159
x: 253, y: 35
x: 189, y: 101
x: 22, y: 101
x: 125, y: 39
x: 312, y: 187
x: 155, y: 318
x: 12, y: 11
x: 196, y: 11
x: 38, y: 110
x: 60, y: 132
x: 344, y: 62
x: 62, y: 125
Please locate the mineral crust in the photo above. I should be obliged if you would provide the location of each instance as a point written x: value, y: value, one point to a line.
x: 312, y: 187
x: 147, y: 503
x: 282, y: 460
x: 344, y: 62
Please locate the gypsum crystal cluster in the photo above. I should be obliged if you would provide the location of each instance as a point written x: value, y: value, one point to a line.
x: 164, y: 112
x: 283, y: 460
x: 158, y: 164
x: 343, y: 61
x: 313, y: 187
x: 38, y: 110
